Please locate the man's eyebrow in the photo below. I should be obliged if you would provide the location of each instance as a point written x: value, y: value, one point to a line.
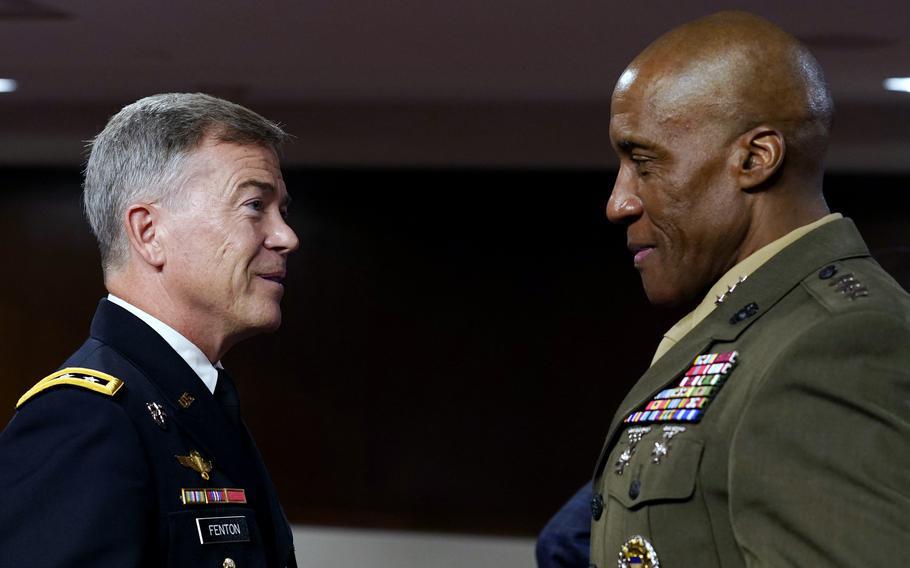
x: 265, y: 186
x: 628, y: 144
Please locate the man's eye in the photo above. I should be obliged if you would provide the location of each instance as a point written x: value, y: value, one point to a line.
x: 256, y: 204
x: 641, y: 164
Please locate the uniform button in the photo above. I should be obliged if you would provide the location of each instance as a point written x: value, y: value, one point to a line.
x: 597, y: 506
x: 634, y: 489
x: 228, y: 563
x: 827, y: 272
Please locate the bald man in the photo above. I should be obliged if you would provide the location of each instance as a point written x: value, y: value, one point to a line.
x: 773, y: 426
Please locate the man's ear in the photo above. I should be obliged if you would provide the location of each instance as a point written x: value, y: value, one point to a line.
x: 761, y: 155
x: 143, y: 228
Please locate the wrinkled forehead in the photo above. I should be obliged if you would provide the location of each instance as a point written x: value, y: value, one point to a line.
x: 230, y: 165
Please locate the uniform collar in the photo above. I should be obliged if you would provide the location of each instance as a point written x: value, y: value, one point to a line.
x: 728, y: 283
x: 185, y: 348
x: 832, y: 242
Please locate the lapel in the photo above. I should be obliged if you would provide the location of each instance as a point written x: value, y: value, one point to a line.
x: 204, y: 421
x: 834, y: 241
x: 283, y: 538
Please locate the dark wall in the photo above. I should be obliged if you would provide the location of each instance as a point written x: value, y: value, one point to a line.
x: 454, y: 346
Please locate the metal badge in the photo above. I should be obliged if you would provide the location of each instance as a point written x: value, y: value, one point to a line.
x: 158, y: 415
x: 185, y: 400
x: 638, y: 553
x: 720, y: 299
x: 197, y: 463
x: 635, y: 435
x: 662, y: 447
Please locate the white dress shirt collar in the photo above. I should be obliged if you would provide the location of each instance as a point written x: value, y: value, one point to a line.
x: 193, y: 356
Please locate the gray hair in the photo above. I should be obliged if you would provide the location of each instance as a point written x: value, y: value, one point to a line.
x: 139, y: 156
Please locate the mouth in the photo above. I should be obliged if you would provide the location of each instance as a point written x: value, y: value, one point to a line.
x: 276, y: 277
x: 641, y: 252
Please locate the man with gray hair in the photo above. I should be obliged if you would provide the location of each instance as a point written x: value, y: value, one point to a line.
x: 133, y: 453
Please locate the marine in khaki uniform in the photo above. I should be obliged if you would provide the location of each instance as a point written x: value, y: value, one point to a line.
x: 773, y: 427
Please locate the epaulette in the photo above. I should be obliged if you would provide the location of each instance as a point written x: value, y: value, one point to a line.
x: 838, y: 287
x: 78, y: 377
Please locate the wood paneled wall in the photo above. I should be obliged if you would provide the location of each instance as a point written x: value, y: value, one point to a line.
x: 455, y: 342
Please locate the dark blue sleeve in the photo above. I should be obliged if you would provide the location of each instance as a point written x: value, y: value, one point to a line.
x: 74, y: 484
x: 565, y: 541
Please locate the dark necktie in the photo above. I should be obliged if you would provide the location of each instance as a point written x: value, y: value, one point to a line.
x: 226, y: 395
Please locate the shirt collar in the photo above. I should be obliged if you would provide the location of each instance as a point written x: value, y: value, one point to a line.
x: 727, y: 283
x: 193, y: 356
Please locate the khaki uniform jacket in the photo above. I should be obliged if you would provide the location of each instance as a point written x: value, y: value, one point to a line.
x: 802, y: 458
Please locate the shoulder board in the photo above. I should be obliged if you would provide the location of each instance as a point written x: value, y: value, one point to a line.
x: 77, y: 377
x: 841, y: 285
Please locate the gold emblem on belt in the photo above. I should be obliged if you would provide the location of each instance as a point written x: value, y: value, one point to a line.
x: 638, y: 553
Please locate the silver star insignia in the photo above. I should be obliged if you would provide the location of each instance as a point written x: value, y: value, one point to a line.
x: 659, y: 451
x: 624, y: 458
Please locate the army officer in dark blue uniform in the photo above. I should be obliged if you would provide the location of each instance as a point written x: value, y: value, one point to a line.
x: 133, y: 453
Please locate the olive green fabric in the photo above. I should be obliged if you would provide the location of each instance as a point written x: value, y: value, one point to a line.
x: 803, y: 457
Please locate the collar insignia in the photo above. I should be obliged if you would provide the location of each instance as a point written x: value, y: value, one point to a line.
x: 720, y: 299
x: 185, y: 400
x: 158, y: 414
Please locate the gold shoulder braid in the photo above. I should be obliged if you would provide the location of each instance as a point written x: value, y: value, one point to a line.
x: 78, y: 377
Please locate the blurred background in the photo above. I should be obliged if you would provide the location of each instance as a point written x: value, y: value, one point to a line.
x: 460, y: 320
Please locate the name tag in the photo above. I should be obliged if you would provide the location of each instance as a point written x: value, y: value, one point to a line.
x: 213, y: 530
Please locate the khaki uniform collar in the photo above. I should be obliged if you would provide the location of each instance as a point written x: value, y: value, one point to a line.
x: 729, y: 281
x: 834, y: 241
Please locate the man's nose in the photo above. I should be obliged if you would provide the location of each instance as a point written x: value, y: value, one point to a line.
x: 624, y: 205
x: 282, y: 237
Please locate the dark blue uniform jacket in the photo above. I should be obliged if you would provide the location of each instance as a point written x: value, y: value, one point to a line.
x: 565, y: 540
x: 88, y: 479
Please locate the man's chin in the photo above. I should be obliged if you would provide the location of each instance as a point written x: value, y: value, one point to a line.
x: 264, y: 319
x: 272, y: 323
x: 661, y: 295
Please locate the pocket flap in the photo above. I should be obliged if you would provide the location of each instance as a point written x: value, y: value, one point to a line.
x: 672, y: 479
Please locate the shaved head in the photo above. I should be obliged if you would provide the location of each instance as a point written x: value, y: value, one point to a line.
x: 741, y: 71
x: 721, y: 127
